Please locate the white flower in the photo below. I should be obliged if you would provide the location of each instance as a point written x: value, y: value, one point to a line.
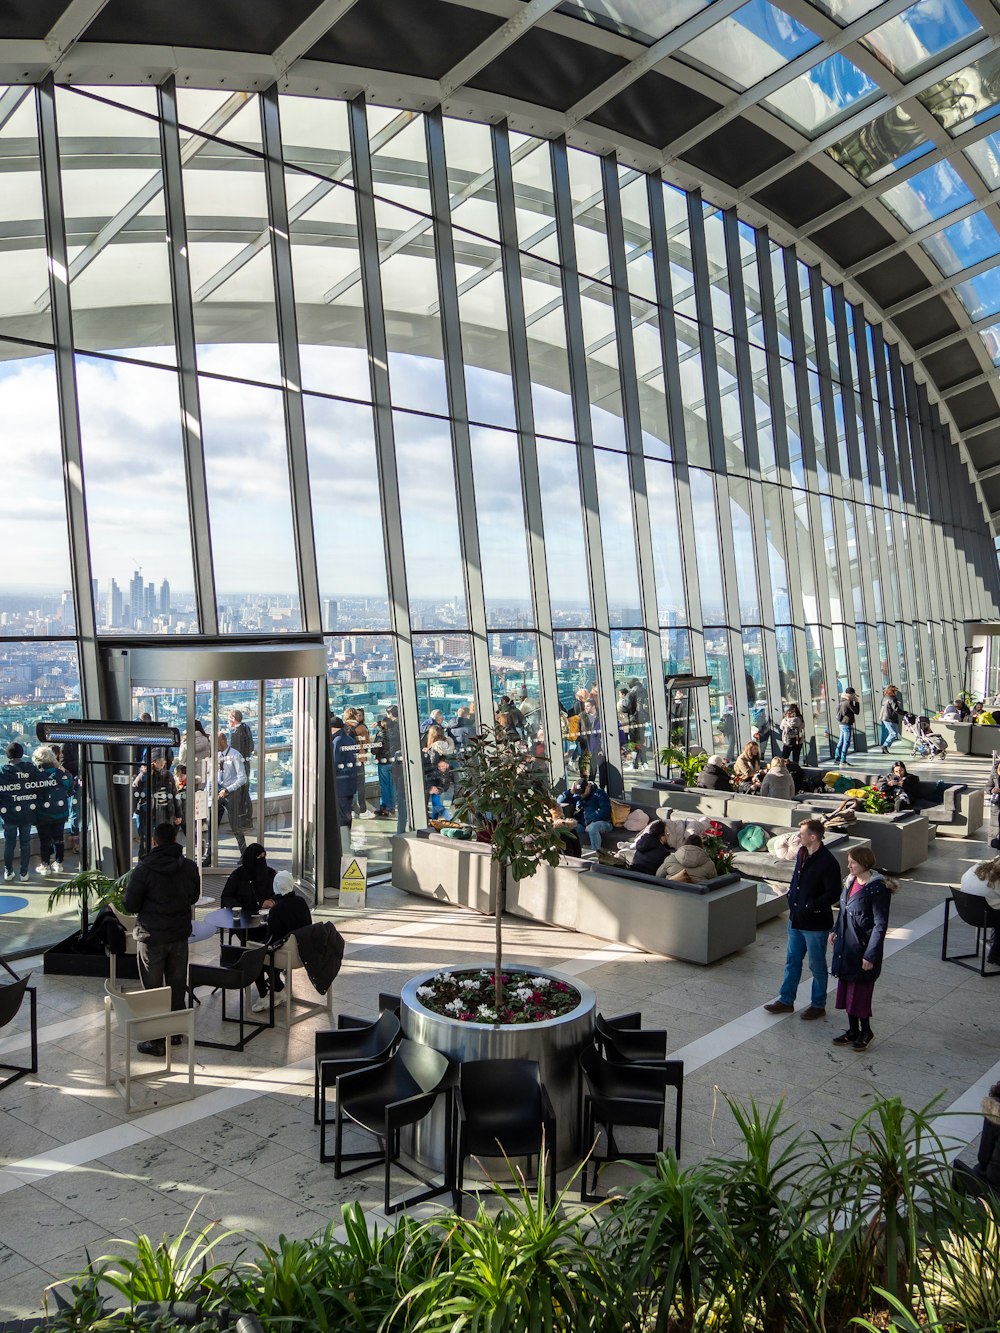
x: 455, y: 1006
x: 469, y: 984
x: 524, y: 993
x: 486, y: 1013
x: 540, y: 983
x: 442, y: 976
x: 424, y: 991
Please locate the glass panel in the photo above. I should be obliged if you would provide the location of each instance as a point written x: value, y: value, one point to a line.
x: 803, y: 540
x: 720, y: 693
x: 882, y: 146
x: 912, y: 41
x: 618, y: 538
x: 991, y: 339
x: 817, y: 690
x: 503, y: 550
x: 985, y: 157
x: 747, y: 45
x: 35, y: 583
x: 322, y: 225
x: 777, y: 565
x: 761, y: 718
x: 445, y: 705
x: 788, y: 678
x: 225, y: 199
x: 963, y: 244
x: 515, y: 686
x: 927, y: 196
x: 38, y: 681
x: 246, y: 464
x: 344, y: 483
x: 115, y: 226
x: 668, y: 568
x: 426, y: 479
x: 845, y: 11
x: 675, y: 645
x: 706, y: 524
x: 823, y: 95
x: 643, y: 20
x: 635, y: 731
x: 576, y: 681
x: 24, y: 269
x: 565, y: 550
x: 361, y: 676
x: 981, y: 295
x: 118, y: 401
x: 967, y: 98
x: 744, y: 554
x: 408, y: 267
x: 830, y: 553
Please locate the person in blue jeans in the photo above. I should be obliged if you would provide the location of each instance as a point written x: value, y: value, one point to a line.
x: 814, y: 889
x: 19, y: 786
x: 847, y: 714
x: 591, y: 808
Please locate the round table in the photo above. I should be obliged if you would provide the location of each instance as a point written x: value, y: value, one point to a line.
x: 225, y: 919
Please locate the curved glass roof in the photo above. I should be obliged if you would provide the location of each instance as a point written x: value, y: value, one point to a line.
x: 862, y: 130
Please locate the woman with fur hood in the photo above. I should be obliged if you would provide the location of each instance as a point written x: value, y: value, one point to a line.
x: 690, y: 862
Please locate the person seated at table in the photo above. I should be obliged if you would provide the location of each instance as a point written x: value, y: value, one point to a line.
x: 287, y: 914
x: 651, y: 848
x: 901, y: 787
x: 250, y: 888
x: 778, y: 781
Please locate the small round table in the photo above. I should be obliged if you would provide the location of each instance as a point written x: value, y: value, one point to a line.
x: 227, y: 920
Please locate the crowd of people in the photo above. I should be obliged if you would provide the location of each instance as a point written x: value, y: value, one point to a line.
x: 39, y: 796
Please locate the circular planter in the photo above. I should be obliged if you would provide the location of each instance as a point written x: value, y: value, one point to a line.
x: 554, y: 1044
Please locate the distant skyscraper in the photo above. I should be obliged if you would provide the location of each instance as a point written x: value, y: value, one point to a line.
x: 113, y: 606
x: 136, y: 597
x: 68, y: 616
x: 149, y: 602
x: 330, y: 611
x: 164, y: 598
x: 93, y: 589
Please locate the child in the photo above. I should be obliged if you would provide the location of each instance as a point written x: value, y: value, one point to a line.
x: 442, y: 781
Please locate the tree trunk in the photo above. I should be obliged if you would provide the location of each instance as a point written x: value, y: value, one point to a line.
x: 498, y: 965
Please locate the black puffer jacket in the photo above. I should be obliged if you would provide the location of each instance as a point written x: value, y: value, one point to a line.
x: 161, y: 891
x: 321, y: 948
x: 860, y: 931
x: 988, y: 1161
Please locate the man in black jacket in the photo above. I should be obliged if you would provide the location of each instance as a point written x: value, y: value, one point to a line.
x: 161, y: 891
x: 814, y: 889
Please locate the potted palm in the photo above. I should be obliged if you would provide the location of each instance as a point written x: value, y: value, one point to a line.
x: 77, y: 955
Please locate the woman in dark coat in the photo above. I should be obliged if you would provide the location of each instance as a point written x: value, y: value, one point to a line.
x: 902, y: 788
x: 714, y: 776
x: 652, y: 848
x: 858, y: 941
x: 251, y: 885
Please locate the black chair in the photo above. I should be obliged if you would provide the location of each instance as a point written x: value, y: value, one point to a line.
x: 623, y: 1039
x: 627, y: 1096
x: 386, y: 1001
x: 236, y: 970
x: 344, y: 1051
x: 504, y: 1110
x: 11, y: 999
x: 975, y: 912
x: 387, y: 1098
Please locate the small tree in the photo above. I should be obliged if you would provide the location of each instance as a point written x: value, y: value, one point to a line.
x: 505, y: 791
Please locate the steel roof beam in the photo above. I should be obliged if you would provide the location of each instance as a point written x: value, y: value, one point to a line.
x: 308, y: 33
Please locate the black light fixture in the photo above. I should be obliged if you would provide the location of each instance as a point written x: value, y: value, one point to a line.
x: 687, y: 683
x: 99, y: 732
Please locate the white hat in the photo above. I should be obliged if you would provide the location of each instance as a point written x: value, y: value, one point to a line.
x: 283, y: 882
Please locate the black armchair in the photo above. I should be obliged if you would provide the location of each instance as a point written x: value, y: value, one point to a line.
x: 623, y: 1039
x: 11, y: 999
x: 974, y: 911
x: 387, y: 1098
x: 343, y: 1052
x: 236, y: 970
x: 386, y: 1001
x: 503, y: 1109
x: 627, y: 1096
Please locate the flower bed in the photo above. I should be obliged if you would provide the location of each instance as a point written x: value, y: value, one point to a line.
x: 469, y: 997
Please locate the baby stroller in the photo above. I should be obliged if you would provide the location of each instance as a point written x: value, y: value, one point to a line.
x: 926, y: 743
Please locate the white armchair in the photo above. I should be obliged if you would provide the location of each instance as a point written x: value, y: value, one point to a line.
x: 289, y: 960
x: 145, y: 1015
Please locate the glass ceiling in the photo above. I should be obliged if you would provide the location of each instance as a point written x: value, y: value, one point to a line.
x: 899, y: 82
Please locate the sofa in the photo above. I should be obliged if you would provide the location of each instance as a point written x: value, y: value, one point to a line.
x: 698, y: 923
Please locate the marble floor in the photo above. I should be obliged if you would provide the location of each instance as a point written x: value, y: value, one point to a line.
x: 76, y: 1172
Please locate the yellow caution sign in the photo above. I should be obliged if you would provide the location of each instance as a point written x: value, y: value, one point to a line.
x: 353, y: 881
